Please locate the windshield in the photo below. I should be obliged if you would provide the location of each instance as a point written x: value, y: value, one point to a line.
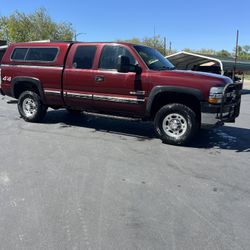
x: 154, y: 59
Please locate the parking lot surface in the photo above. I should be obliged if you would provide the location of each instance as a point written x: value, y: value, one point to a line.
x: 93, y: 182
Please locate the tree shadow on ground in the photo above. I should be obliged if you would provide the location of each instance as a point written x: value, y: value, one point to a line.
x: 226, y: 137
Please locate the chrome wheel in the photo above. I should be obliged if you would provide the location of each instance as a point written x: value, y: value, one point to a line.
x: 174, y: 125
x: 29, y: 107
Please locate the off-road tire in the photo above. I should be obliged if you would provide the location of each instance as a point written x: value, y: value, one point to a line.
x: 31, y: 107
x: 176, y: 124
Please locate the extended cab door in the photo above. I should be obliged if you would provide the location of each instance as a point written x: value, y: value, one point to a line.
x: 78, y: 76
x: 117, y: 92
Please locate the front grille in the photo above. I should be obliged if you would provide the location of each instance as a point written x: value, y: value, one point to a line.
x: 232, y: 94
x: 230, y: 106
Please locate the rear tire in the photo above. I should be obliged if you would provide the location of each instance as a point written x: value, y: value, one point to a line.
x: 176, y: 124
x: 31, y: 107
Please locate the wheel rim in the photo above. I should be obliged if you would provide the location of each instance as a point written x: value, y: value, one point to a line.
x: 174, y: 125
x: 29, y: 107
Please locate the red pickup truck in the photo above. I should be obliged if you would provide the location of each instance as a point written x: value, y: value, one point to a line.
x: 120, y: 79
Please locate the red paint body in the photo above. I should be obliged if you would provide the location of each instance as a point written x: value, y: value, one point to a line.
x: 61, y: 77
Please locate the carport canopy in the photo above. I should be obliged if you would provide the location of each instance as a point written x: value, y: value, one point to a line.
x: 187, y: 61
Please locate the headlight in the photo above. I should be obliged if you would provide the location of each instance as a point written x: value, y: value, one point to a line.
x: 215, y: 95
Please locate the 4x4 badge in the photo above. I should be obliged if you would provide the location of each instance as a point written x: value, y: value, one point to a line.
x: 7, y: 78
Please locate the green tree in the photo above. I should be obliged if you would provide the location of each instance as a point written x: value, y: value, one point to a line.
x: 223, y: 53
x: 21, y: 27
x: 188, y: 50
x: 243, y: 52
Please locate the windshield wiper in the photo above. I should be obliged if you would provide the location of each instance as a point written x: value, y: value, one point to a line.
x: 166, y: 68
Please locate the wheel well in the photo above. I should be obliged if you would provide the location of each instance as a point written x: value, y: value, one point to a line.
x: 171, y: 97
x: 20, y: 87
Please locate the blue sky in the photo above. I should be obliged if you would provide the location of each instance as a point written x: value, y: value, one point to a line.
x: 187, y: 24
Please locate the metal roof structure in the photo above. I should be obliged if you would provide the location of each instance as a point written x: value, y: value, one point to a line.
x: 186, y: 61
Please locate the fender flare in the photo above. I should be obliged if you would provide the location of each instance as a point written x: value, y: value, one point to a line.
x: 171, y: 89
x: 20, y: 79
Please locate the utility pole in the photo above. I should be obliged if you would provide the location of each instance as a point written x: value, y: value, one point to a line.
x: 78, y: 34
x: 236, y: 54
x: 154, y: 38
x: 165, y: 46
x: 170, y: 47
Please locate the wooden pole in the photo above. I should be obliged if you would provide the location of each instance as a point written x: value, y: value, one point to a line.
x: 236, y: 54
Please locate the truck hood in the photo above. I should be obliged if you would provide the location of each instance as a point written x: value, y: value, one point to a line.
x: 189, y: 79
x: 202, y: 75
x: 194, y: 75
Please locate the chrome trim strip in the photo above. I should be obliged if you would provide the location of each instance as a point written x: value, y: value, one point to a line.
x: 52, y: 92
x: 103, y: 98
x: 32, y: 66
x: 117, y: 99
x: 138, y: 92
x: 78, y: 95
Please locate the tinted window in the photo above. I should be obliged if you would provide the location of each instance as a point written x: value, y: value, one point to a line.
x: 41, y: 54
x: 153, y: 58
x: 19, y: 54
x: 110, y: 55
x: 35, y: 54
x: 84, y: 57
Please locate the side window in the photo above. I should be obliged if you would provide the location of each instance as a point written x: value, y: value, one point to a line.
x: 19, y: 54
x: 110, y: 55
x: 41, y: 54
x: 84, y: 57
x: 34, y: 54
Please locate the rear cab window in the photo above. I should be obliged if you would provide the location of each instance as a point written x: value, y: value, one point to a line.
x: 84, y: 57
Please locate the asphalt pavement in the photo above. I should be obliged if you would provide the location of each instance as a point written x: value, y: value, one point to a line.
x: 93, y: 182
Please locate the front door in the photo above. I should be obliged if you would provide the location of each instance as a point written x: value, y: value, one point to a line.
x: 117, y: 92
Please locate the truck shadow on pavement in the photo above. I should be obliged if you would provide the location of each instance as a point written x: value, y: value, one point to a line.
x: 121, y: 126
x: 226, y: 137
x: 245, y: 92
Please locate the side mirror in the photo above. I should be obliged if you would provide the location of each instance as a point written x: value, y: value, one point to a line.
x: 124, y: 66
x: 138, y: 69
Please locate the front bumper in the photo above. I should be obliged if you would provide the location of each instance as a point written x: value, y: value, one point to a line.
x: 215, y: 115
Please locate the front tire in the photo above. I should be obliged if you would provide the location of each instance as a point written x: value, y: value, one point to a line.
x: 176, y: 124
x: 30, y: 107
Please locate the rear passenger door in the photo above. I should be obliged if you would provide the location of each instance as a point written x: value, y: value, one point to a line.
x: 78, y: 76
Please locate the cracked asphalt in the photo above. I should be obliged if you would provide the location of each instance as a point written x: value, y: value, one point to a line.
x: 93, y: 182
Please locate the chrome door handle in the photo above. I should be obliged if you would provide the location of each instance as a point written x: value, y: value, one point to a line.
x: 99, y: 78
